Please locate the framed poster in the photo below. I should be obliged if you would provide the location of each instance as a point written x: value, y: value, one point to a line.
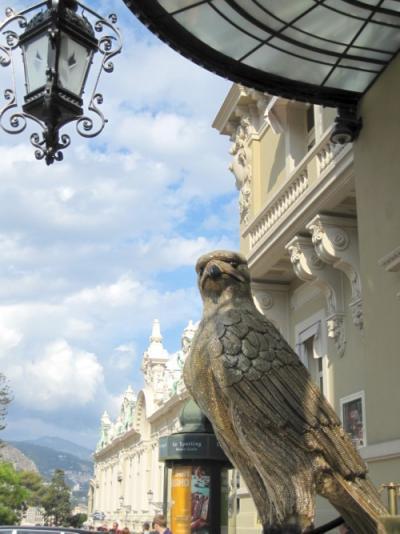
x: 201, y: 478
x: 353, y: 418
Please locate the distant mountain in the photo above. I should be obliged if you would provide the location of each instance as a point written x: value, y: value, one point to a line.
x: 18, y: 459
x: 62, y: 445
x: 78, y: 472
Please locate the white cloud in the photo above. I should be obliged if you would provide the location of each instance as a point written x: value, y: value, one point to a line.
x: 63, y: 375
x: 91, y: 246
x: 9, y: 339
x: 167, y: 253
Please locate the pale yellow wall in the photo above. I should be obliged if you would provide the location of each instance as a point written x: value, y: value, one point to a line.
x: 247, y: 519
x: 377, y: 171
x: 272, y: 164
x: 306, y: 310
x: 384, y: 471
x: 296, y: 133
x: 328, y: 116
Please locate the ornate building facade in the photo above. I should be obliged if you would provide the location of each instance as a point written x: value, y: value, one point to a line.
x: 324, y: 259
x: 128, y: 478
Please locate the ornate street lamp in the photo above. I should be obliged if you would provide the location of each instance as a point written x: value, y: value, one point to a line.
x: 58, y: 44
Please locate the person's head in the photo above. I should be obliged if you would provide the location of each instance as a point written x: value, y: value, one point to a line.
x: 125, y: 530
x: 159, y: 523
x: 115, y: 525
x: 146, y: 525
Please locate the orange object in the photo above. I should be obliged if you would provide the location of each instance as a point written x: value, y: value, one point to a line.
x: 181, y: 505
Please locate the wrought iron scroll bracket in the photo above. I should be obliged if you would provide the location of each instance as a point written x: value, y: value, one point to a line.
x: 109, y: 47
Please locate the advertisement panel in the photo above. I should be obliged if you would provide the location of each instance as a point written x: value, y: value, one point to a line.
x: 190, y: 498
x: 181, y: 493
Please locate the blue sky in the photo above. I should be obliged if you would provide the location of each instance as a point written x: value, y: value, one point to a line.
x: 96, y: 247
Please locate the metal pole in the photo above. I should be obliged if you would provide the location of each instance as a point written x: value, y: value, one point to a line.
x: 165, y: 491
x: 392, y: 489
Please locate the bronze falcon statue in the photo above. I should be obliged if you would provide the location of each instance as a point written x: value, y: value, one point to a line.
x: 271, y: 419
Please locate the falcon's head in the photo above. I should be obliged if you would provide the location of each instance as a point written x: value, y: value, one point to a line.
x: 223, y: 271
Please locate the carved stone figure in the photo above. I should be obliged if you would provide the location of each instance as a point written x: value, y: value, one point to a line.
x: 105, y: 431
x: 269, y: 416
x: 241, y: 168
x: 127, y: 409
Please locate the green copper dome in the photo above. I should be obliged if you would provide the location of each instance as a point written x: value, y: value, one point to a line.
x: 192, y: 419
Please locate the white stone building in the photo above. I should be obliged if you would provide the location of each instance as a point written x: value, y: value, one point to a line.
x: 128, y: 478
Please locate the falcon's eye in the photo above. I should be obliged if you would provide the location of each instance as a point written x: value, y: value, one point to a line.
x: 201, y: 271
x: 234, y: 263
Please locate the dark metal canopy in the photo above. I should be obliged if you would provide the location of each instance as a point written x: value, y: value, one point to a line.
x: 321, y: 51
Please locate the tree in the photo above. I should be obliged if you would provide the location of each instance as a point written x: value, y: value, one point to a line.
x: 57, y: 500
x: 33, y: 482
x: 5, y: 399
x: 77, y: 520
x: 13, y: 495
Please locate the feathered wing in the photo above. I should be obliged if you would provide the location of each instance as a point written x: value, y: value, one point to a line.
x: 273, y: 396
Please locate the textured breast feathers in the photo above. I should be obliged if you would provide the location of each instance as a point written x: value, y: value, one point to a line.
x: 248, y: 345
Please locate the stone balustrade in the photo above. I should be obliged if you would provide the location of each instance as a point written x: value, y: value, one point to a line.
x: 317, y: 160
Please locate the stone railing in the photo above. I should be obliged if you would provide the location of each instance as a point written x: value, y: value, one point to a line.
x: 276, y: 209
x: 316, y: 162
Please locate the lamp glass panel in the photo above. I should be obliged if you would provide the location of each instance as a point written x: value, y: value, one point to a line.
x: 35, y: 59
x: 205, y: 24
x: 282, y: 64
x: 73, y: 62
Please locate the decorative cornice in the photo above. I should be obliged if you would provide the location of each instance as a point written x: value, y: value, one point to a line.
x: 241, y: 101
x: 309, y: 267
x: 381, y: 451
x: 117, y: 443
x: 242, y: 118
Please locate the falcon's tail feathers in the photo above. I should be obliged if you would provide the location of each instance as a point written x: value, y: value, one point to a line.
x: 358, y: 503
